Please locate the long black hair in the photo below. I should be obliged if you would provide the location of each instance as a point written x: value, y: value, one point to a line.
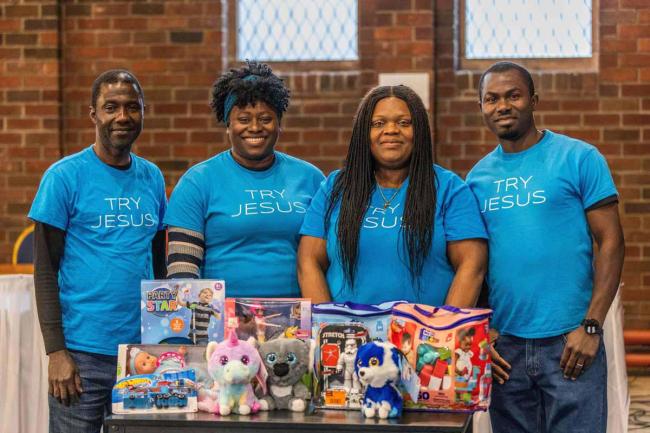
x: 249, y: 84
x: 356, y: 182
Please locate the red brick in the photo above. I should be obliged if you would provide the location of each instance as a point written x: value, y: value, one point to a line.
x: 393, y: 33
x: 634, y: 59
x: 602, y: 119
x: 621, y: 134
x: 633, y: 3
x: 636, y: 119
x: 580, y: 105
x: 20, y: 11
x: 420, y: 19
x: 636, y: 90
x: 10, y: 25
x: 92, y: 23
x: 561, y: 119
x: 619, y: 74
x: 631, y: 31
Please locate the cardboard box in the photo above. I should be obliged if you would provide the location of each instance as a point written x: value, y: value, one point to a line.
x: 182, y: 311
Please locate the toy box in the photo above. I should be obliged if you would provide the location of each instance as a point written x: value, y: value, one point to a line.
x: 159, y: 378
x: 266, y: 318
x: 340, y: 329
x: 448, y: 347
x: 182, y: 311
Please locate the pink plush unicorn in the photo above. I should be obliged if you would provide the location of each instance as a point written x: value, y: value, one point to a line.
x: 233, y: 364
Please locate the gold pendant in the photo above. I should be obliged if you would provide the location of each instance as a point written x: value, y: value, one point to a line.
x: 386, y: 204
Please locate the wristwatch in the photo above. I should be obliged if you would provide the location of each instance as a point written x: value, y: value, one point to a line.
x: 592, y: 327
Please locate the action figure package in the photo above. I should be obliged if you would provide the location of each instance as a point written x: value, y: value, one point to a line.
x: 449, y: 349
x: 340, y: 329
x: 182, y: 311
x: 269, y: 318
x: 337, y: 385
x: 154, y: 378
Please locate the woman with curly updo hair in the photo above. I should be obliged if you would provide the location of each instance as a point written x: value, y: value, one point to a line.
x: 392, y: 224
x: 236, y: 216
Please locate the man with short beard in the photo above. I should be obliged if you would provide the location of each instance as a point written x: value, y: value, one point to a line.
x: 544, y: 198
x: 99, y: 231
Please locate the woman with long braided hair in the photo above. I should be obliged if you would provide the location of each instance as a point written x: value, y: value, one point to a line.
x: 391, y: 224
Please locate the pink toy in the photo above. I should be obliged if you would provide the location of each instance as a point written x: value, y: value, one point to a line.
x: 233, y: 364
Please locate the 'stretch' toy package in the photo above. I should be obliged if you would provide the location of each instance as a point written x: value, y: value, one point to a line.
x: 159, y: 378
x: 449, y: 350
x: 182, y: 311
x: 340, y: 330
x: 265, y: 318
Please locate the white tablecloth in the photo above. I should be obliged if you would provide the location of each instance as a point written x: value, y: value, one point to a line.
x: 618, y: 395
x: 23, y: 364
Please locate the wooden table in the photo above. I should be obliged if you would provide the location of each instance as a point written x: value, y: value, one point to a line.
x: 330, y: 421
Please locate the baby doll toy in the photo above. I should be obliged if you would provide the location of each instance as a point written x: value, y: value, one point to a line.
x: 380, y: 367
x: 287, y: 360
x: 142, y: 362
x: 233, y: 364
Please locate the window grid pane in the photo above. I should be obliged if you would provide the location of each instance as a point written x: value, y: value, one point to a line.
x: 290, y: 30
x: 527, y: 29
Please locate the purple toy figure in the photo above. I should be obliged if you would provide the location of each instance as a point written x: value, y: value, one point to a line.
x: 233, y: 364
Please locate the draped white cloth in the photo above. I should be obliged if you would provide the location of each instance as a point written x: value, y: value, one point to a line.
x: 23, y: 364
x: 618, y: 395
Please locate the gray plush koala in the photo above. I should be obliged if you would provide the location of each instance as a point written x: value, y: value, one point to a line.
x: 286, y: 361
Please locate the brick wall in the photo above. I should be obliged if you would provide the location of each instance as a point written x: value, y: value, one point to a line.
x: 29, y: 108
x: 178, y: 47
x: 609, y: 107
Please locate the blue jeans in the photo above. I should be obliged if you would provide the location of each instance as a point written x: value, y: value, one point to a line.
x: 537, y: 398
x: 87, y: 415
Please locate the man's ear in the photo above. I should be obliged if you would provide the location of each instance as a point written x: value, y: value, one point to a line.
x: 534, y: 101
x: 93, y: 114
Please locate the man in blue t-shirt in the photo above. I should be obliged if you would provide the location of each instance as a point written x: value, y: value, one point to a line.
x: 544, y: 198
x: 99, y: 231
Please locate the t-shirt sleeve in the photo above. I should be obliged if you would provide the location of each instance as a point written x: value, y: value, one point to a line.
x: 187, y: 205
x: 52, y: 202
x: 595, y: 181
x: 163, y: 202
x: 314, y: 222
x: 462, y: 218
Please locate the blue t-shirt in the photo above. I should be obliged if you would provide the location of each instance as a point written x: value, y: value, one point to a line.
x: 533, y: 203
x: 382, y: 265
x: 250, y: 220
x: 110, y: 217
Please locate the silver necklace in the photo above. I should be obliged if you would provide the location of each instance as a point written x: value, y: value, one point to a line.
x: 387, y: 200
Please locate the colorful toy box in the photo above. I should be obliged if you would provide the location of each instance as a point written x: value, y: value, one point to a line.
x: 340, y: 330
x: 268, y: 318
x: 182, y: 311
x: 448, y: 347
x: 159, y: 378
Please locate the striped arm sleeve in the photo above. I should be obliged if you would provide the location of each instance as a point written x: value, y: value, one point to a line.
x: 184, y: 253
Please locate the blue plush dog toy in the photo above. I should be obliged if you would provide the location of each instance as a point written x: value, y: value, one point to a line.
x: 379, y: 368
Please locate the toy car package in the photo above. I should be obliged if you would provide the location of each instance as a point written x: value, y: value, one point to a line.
x: 182, y: 311
x: 268, y: 318
x: 449, y: 349
x: 159, y: 378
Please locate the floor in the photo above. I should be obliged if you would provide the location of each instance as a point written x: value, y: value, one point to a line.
x: 639, y: 404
